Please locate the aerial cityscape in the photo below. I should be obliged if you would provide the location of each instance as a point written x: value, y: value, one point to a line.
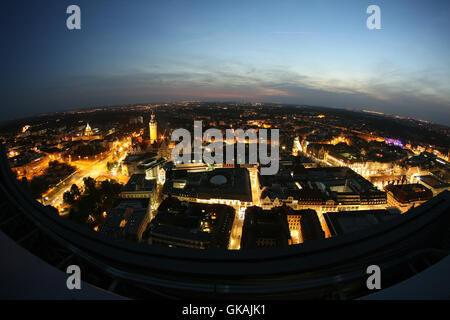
x: 110, y: 169
x: 225, y: 150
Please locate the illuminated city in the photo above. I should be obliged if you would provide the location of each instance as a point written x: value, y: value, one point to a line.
x: 225, y: 150
x: 103, y: 173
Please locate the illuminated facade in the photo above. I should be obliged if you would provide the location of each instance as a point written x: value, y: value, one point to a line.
x: 88, y: 131
x: 153, y: 129
x: 88, y: 134
x: 407, y: 196
x: 228, y: 186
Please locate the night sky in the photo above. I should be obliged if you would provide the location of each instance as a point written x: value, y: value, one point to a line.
x: 307, y: 52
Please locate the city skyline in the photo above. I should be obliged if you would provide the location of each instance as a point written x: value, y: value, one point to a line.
x: 111, y: 175
x: 312, y: 53
x: 223, y: 150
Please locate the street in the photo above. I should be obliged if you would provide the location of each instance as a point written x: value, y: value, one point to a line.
x: 94, y: 169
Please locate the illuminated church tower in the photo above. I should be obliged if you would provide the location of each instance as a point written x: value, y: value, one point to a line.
x: 153, y: 129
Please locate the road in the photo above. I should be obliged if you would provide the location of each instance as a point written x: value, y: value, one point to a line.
x: 236, y: 229
x: 93, y: 169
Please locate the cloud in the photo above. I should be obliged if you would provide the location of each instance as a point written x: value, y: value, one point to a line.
x: 397, y: 91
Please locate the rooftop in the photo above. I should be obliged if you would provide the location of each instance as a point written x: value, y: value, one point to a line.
x: 433, y: 182
x: 409, y: 192
x: 350, y: 221
x: 138, y: 182
x: 220, y: 183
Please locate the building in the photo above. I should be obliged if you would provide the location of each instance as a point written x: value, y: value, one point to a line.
x: 230, y: 186
x: 310, y: 197
x: 191, y: 225
x: 137, y: 163
x: 322, y: 189
x: 433, y: 183
x: 378, y: 161
x: 53, y: 153
x: 264, y: 229
x: 338, y: 223
x: 88, y: 134
x: 88, y: 131
x: 341, y: 189
x: 153, y: 129
x: 127, y: 220
x: 407, y: 196
x: 28, y: 164
x: 154, y: 170
x: 304, y: 225
x: 138, y: 187
x: 278, y: 189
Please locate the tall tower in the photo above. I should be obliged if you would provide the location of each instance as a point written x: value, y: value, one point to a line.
x: 153, y: 126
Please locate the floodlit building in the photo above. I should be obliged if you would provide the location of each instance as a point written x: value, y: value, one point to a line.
x: 407, y: 196
x: 88, y: 134
x: 230, y: 186
x: 153, y: 129
x: 341, y: 188
x: 304, y: 225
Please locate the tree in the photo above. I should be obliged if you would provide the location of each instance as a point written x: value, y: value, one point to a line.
x: 89, y: 185
x: 74, y: 190
x: 53, y: 164
x: 68, y: 197
x: 87, y: 209
x: 111, y: 165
